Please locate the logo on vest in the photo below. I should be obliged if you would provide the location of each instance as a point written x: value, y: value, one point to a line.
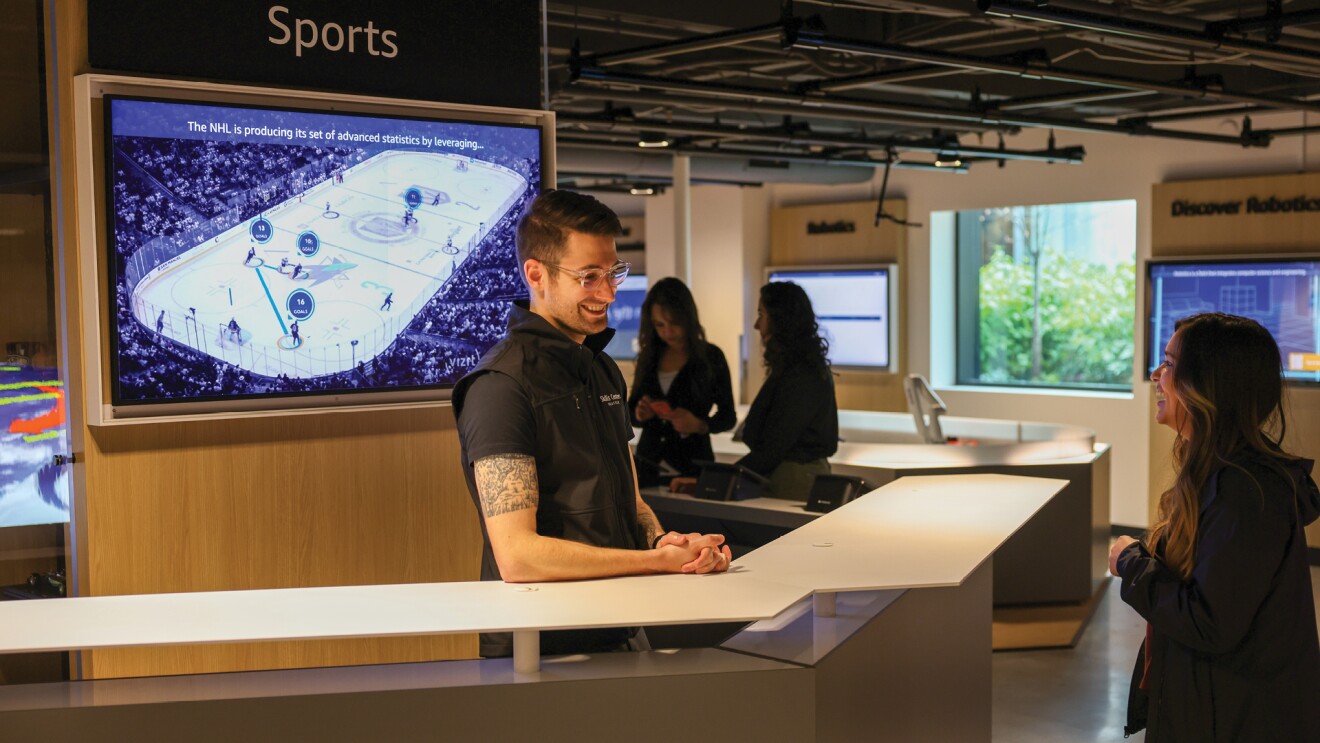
x: 612, y: 399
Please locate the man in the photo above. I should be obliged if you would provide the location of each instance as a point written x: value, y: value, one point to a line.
x: 544, y: 428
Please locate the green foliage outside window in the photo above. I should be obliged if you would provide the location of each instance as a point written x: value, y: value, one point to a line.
x: 1086, y: 313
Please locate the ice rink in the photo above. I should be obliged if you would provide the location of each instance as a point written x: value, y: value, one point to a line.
x: 362, y: 253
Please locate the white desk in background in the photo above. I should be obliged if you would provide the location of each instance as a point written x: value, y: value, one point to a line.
x: 1074, y: 528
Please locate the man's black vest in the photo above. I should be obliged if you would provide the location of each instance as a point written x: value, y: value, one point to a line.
x: 583, y: 465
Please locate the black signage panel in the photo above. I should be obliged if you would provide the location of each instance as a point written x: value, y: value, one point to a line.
x: 485, y: 52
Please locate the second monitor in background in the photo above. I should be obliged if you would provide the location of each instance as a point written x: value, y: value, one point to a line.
x: 857, y: 308
x: 1281, y: 293
x: 625, y: 316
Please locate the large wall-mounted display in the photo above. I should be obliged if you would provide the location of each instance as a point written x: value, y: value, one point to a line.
x: 271, y: 254
x: 1283, y: 294
x: 855, y: 306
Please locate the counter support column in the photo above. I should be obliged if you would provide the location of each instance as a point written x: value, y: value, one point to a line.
x: 527, y: 651
x: 823, y: 604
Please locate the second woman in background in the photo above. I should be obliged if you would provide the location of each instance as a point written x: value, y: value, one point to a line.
x: 793, y: 426
x: 680, y: 379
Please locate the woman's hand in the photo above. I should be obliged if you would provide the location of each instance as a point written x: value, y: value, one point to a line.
x: 1119, y: 545
x: 644, y: 412
x: 684, y: 421
x: 685, y: 485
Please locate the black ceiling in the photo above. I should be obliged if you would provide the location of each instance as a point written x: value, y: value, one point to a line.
x: 861, y: 82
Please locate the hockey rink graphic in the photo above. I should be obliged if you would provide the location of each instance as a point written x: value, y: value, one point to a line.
x: 329, y: 278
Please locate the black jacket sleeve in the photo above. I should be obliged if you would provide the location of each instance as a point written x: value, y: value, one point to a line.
x: 1242, y: 536
x: 725, y: 413
x: 633, y: 399
x: 794, y: 401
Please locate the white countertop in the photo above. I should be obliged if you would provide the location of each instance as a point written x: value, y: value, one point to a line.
x: 916, y: 531
x: 379, y: 611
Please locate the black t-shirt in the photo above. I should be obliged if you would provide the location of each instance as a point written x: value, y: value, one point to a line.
x: 505, y: 425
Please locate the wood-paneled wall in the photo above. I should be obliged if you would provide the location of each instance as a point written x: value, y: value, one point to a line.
x: 1241, y: 234
x: 315, y: 500
x: 312, y: 500
x: 791, y: 245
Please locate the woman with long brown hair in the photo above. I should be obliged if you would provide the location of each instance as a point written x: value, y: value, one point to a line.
x: 682, y: 391
x: 1222, y: 578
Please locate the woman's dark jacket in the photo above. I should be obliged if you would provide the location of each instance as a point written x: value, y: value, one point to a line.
x: 794, y: 418
x: 697, y: 389
x: 1234, y: 651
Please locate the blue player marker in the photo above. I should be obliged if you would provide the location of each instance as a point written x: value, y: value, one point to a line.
x: 412, y: 197
x: 300, y: 304
x: 261, y: 230
x: 309, y: 244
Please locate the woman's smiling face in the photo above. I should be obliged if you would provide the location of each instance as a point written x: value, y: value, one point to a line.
x: 1169, y: 410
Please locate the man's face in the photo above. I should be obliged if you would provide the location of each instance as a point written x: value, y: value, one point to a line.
x: 558, y: 295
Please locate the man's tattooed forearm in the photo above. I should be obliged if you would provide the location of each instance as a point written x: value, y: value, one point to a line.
x: 506, y: 483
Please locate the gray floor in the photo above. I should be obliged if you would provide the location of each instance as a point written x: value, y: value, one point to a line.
x: 1077, y: 695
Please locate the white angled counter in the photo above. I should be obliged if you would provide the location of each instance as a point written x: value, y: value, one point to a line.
x: 884, y: 447
x: 916, y: 532
x: 880, y: 663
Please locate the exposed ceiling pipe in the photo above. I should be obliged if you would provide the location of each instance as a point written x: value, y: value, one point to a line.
x: 575, y: 177
x: 1065, y: 99
x: 1128, y: 12
x: 889, y: 77
x: 778, y: 109
x: 769, y: 156
x: 693, y: 44
x: 1271, y: 24
x: 1142, y: 29
x: 1070, y: 155
x: 1294, y: 131
x: 1200, y: 113
x: 856, y: 47
x: 642, y: 163
x: 832, y: 104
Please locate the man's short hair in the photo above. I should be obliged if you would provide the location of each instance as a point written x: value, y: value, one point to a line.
x: 543, y: 230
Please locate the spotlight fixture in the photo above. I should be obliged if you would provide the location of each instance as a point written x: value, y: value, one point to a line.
x: 948, y: 161
x: 642, y: 190
x: 652, y: 139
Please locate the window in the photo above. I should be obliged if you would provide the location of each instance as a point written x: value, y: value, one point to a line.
x: 1047, y: 295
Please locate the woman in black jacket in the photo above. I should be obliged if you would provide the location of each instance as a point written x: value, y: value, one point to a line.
x: 1222, y: 578
x: 793, y: 425
x: 680, y: 379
